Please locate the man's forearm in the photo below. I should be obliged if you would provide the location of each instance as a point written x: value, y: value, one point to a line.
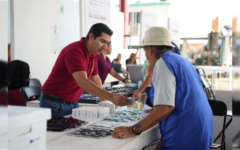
x: 157, y: 115
x: 116, y: 75
x: 97, y: 81
x: 147, y: 80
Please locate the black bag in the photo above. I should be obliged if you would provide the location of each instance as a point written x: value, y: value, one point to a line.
x: 3, y: 74
x: 18, y: 74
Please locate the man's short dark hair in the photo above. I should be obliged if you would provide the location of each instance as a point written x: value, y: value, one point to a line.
x: 160, y: 49
x: 132, y: 54
x: 97, y: 30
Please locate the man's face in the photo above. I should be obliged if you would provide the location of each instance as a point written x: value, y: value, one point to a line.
x: 148, y: 54
x: 99, y: 44
x: 109, y: 49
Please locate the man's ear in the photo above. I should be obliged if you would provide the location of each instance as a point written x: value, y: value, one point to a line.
x: 150, y: 48
x: 91, y: 36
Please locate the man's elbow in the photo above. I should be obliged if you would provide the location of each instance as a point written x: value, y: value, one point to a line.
x: 82, y: 83
x: 170, y: 108
x: 166, y: 109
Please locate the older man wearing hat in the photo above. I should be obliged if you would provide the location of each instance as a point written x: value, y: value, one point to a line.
x: 181, y: 106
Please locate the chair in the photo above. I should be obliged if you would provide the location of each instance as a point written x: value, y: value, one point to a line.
x: 236, y: 137
x: 15, y: 98
x: 35, y: 82
x: 219, y: 108
x: 210, y: 95
x: 3, y: 96
x: 206, y: 86
x: 30, y: 93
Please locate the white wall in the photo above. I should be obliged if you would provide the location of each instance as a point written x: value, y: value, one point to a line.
x: 195, y: 16
x: 117, y: 25
x: 70, y: 22
x: 9, y: 28
x: 3, y: 29
x: 161, y: 10
x: 31, y: 36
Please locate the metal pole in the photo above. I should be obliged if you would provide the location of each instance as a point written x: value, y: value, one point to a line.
x: 130, y: 47
x: 209, y: 57
x: 184, y: 50
x: 123, y: 7
x: 222, y: 51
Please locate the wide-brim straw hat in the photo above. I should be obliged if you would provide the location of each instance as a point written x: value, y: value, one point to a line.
x: 157, y: 36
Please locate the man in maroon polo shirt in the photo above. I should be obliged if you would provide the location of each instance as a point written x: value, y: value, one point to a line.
x: 76, y: 70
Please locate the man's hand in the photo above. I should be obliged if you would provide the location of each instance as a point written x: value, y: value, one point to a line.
x: 123, y: 132
x: 126, y: 81
x: 137, y: 95
x: 101, y: 99
x: 158, y: 146
x: 120, y: 100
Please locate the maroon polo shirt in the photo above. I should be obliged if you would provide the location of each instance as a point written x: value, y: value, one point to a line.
x: 104, y: 67
x: 74, y: 57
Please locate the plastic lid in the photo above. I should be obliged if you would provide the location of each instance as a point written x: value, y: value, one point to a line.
x: 20, y: 116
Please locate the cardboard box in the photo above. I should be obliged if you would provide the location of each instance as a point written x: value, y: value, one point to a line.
x: 3, y: 128
x: 27, y: 127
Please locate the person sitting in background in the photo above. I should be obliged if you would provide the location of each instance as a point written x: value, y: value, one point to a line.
x: 131, y: 60
x: 105, y: 66
x: 117, y: 60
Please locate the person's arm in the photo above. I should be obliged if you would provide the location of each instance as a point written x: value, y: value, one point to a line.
x: 96, y: 79
x: 117, y: 76
x: 135, y: 61
x: 156, y: 116
x: 160, y: 113
x: 90, y: 87
x: 164, y: 101
x: 145, y: 83
x: 114, y: 62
